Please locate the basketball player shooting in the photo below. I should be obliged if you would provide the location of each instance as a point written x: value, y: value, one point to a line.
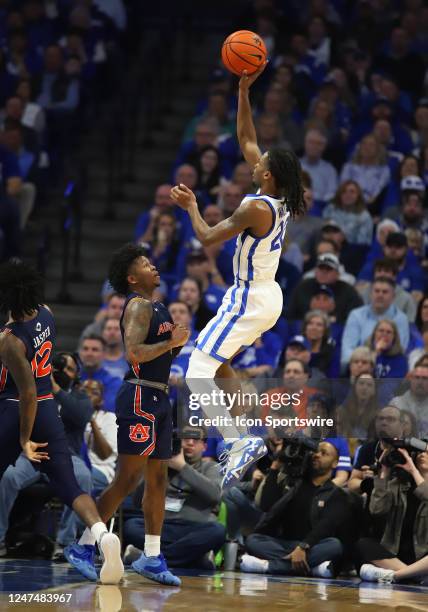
x: 254, y: 302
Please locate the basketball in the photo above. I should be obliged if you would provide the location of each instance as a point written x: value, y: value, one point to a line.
x: 243, y: 50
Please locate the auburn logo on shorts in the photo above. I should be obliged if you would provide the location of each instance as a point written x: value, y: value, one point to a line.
x: 139, y: 433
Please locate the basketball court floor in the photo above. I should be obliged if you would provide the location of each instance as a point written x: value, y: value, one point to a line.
x: 56, y: 587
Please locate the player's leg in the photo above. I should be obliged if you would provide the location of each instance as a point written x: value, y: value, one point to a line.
x: 70, y: 522
x: 151, y: 563
x: 59, y: 469
x: 253, y: 310
x: 205, y: 376
x: 129, y: 472
x: 135, y: 437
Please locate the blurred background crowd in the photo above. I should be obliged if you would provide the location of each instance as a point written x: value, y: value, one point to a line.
x: 346, y: 88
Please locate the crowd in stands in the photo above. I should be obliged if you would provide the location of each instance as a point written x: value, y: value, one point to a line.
x: 56, y: 59
x: 346, y: 88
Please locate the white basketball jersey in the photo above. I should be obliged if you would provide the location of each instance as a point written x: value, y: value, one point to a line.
x: 257, y: 258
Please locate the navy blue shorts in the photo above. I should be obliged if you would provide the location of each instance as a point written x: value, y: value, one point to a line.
x: 48, y: 427
x: 144, y: 419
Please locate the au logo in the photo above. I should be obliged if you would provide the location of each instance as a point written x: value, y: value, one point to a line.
x: 257, y: 40
x: 139, y: 433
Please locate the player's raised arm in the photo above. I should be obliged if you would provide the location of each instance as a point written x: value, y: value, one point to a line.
x: 137, y: 323
x: 246, y: 131
x: 13, y: 357
x: 247, y: 215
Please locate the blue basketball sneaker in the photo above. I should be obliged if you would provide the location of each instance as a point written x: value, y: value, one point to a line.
x: 82, y: 557
x: 240, y: 456
x: 155, y: 568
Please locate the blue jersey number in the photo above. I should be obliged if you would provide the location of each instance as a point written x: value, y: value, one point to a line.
x: 279, y: 238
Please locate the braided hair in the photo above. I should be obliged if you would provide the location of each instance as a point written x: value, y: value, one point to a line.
x: 21, y: 289
x: 286, y: 170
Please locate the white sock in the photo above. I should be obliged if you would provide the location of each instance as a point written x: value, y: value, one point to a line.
x: 98, y: 529
x: 87, y: 538
x: 152, y: 545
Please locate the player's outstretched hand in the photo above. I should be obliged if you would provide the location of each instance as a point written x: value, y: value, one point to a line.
x: 183, y: 196
x: 247, y: 80
x: 30, y: 451
x: 180, y: 335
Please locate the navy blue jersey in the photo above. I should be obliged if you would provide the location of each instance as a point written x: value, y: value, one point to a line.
x: 38, y: 336
x: 160, y: 328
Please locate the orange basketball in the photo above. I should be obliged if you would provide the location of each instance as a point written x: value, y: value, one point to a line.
x: 243, y: 50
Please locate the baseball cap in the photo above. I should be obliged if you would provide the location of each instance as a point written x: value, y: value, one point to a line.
x: 412, y: 183
x: 300, y: 340
x: 396, y: 239
x: 330, y: 224
x: 325, y: 289
x: 330, y: 260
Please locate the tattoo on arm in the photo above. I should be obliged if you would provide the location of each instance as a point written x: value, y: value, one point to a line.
x: 136, y: 322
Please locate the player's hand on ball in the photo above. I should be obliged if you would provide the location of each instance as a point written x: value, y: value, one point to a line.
x: 247, y: 80
x: 30, y: 451
x: 180, y: 335
x: 184, y: 196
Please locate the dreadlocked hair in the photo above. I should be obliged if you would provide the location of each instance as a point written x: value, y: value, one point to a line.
x: 21, y: 289
x: 287, y: 172
x: 121, y: 262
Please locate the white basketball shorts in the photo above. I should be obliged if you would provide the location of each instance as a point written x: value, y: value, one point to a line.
x: 248, y: 309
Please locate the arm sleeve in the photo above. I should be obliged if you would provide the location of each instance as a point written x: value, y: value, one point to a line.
x: 76, y: 407
x: 344, y: 455
x: 206, y: 485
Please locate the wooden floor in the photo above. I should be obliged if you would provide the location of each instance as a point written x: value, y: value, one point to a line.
x: 204, y: 591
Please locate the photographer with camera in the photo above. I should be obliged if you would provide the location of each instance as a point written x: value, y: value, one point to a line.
x: 400, y: 494
x: 388, y: 424
x: 75, y: 410
x: 303, y: 530
x: 190, y: 529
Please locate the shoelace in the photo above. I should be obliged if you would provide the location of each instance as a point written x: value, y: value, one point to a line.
x: 223, y: 460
